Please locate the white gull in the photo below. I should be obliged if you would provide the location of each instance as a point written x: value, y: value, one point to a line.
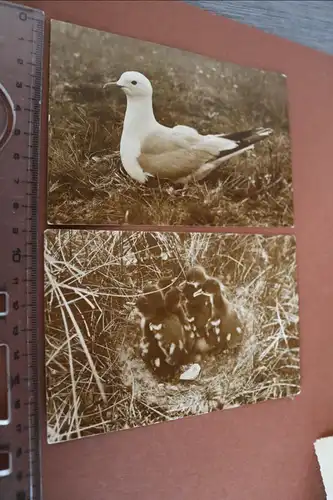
x: 179, y: 154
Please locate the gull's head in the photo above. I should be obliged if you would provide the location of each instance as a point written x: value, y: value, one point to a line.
x: 134, y: 84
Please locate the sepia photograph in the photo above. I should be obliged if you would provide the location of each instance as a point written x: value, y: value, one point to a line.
x: 145, y: 134
x: 148, y: 327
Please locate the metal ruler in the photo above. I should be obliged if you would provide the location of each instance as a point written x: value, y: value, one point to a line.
x: 21, y: 54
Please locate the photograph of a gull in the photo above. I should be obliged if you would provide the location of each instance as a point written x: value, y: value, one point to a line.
x: 180, y: 153
x: 145, y: 134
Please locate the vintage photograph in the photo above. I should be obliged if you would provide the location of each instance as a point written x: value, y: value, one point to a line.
x: 147, y: 327
x: 145, y: 134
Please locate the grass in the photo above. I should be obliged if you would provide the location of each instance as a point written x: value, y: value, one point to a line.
x: 96, y: 381
x: 86, y: 181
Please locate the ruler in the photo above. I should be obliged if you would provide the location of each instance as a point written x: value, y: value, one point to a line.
x: 21, y: 54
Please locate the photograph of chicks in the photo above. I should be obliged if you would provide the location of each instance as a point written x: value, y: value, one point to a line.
x: 145, y: 134
x: 145, y: 327
x: 172, y: 337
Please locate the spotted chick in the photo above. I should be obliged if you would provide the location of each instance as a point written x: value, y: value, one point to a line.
x: 173, y: 304
x: 198, y: 307
x: 224, y: 325
x: 163, y: 344
x: 196, y: 276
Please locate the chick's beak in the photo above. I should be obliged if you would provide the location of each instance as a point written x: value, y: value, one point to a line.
x: 198, y: 292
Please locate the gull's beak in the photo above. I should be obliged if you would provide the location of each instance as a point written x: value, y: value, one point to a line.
x: 111, y: 83
x: 198, y: 292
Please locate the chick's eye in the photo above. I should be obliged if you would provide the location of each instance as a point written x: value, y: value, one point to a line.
x: 134, y: 82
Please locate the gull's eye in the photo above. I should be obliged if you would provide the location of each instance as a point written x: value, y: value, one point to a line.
x: 134, y: 82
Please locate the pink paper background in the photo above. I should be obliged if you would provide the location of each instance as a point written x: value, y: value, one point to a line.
x: 255, y: 452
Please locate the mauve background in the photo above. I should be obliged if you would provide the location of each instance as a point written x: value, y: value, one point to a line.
x: 258, y: 452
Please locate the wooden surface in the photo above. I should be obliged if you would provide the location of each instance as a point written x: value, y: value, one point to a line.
x: 255, y: 452
x: 309, y: 22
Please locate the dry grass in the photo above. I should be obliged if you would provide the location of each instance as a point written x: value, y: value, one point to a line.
x: 96, y: 381
x: 86, y: 180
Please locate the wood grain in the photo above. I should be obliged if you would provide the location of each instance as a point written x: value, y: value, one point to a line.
x: 307, y: 22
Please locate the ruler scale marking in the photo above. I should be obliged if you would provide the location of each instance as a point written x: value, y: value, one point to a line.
x: 21, y: 59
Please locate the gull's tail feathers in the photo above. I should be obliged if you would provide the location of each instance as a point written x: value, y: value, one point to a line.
x: 245, y: 140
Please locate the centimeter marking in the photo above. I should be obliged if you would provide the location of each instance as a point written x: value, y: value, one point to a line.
x: 22, y: 31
